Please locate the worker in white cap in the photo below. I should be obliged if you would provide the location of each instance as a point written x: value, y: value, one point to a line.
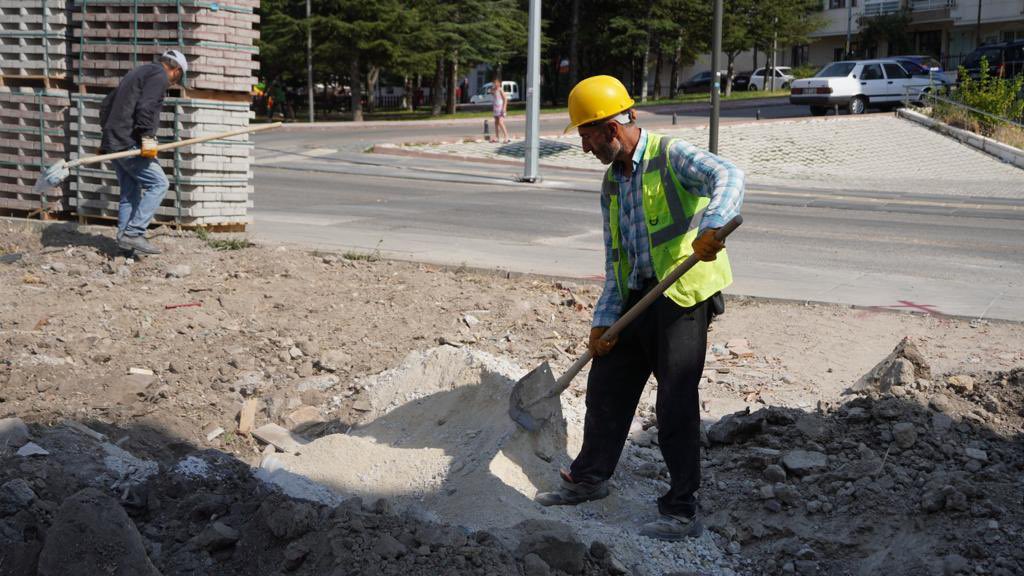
x: 130, y: 118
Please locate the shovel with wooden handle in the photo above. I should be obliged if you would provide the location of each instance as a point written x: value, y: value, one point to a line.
x: 529, y: 403
x: 42, y: 185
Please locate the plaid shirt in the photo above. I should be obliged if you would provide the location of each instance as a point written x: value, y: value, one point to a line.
x: 702, y: 173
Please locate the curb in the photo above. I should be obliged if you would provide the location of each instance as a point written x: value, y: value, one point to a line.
x: 1004, y: 152
x: 394, y: 150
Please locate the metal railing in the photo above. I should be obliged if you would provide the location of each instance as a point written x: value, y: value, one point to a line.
x: 881, y: 8
x: 921, y: 5
x: 929, y: 97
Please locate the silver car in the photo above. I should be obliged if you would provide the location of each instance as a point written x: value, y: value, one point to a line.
x: 858, y: 84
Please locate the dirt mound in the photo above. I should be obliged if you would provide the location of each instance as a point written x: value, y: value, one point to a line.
x: 441, y: 443
x: 207, y: 514
x: 925, y: 483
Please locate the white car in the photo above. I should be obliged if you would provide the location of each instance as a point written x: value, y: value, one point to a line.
x: 857, y: 85
x: 484, y: 96
x: 783, y: 78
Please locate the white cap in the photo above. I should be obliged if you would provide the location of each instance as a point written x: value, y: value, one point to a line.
x: 177, y: 57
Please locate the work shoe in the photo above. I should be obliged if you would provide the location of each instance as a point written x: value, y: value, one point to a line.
x: 138, y: 244
x: 572, y: 493
x: 673, y: 528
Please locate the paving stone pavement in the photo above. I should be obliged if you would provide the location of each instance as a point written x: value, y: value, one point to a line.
x: 875, y: 153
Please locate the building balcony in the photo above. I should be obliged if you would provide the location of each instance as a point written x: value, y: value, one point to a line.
x: 881, y: 8
x: 928, y: 11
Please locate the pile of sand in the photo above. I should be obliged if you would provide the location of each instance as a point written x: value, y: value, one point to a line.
x: 440, y: 442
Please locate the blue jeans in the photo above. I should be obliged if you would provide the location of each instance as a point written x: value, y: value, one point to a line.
x: 143, y: 186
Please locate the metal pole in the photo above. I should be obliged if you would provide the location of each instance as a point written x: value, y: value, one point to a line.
x: 716, y: 50
x: 309, y: 58
x: 849, y: 27
x: 532, y: 95
x: 977, y: 27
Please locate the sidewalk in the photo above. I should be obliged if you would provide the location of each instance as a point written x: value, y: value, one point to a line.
x: 874, y: 153
x: 654, y: 109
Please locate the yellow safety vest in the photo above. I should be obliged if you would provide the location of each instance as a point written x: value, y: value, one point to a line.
x: 673, y: 216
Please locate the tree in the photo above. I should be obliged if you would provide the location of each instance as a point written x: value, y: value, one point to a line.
x: 892, y: 28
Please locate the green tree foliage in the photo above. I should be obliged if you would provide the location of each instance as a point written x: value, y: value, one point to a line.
x: 894, y: 29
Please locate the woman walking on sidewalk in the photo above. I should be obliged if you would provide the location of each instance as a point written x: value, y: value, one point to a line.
x: 499, y: 105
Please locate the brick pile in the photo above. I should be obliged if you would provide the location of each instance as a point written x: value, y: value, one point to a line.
x: 211, y: 183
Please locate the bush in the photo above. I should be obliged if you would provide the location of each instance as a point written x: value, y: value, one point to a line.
x: 996, y: 96
x: 805, y: 71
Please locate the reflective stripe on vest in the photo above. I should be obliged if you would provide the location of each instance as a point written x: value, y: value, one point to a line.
x: 672, y: 215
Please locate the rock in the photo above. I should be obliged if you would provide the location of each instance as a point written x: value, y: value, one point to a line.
x: 976, y: 454
x: 941, y: 423
x: 389, y: 548
x: 811, y: 426
x: 774, y: 473
x: 534, y: 565
x: 294, y: 352
x: 739, y: 347
x: 303, y: 416
x: 902, y: 367
x: 470, y: 320
x: 940, y: 403
x: 599, y: 550
x: 615, y: 567
x: 334, y: 361
x: 287, y: 519
x: 933, y: 500
x: 15, y: 495
x: 555, y: 543
x: 282, y: 439
x: 787, y: 494
x: 648, y: 470
x: 212, y: 432
x: 803, y: 462
x: 140, y: 371
x: 962, y: 383
x: 216, y: 536
x: 905, y: 434
x: 178, y: 271
x: 247, y: 415
x: 32, y: 449
x: 320, y: 383
x: 13, y: 433
x: 737, y: 427
x: 92, y: 530
x: 953, y: 564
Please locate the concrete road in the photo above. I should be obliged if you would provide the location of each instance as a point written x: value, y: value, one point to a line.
x: 948, y: 256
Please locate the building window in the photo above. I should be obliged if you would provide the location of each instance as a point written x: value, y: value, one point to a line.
x: 837, y: 54
x: 836, y: 4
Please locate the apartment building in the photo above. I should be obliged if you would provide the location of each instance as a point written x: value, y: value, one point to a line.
x: 946, y: 29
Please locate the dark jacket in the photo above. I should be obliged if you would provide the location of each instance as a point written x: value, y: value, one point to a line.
x: 132, y: 111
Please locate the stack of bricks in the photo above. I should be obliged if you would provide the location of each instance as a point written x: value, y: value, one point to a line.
x: 32, y: 135
x: 33, y: 107
x: 60, y: 77
x: 211, y: 183
x: 114, y: 36
x: 33, y: 38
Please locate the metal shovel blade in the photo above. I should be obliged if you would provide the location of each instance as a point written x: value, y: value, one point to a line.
x: 526, y: 403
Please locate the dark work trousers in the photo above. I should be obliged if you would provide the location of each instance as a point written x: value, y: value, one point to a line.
x: 670, y: 342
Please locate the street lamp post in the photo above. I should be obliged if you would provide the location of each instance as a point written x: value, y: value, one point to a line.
x: 532, y: 95
x: 849, y: 27
x: 716, y: 75
x: 309, y: 57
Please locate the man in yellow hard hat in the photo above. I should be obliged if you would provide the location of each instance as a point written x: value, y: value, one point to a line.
x: 662, y: 199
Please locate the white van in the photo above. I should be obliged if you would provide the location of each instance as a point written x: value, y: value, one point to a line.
x: 484, y: 96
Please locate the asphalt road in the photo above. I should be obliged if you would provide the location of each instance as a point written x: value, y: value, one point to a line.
x: 960, y: 258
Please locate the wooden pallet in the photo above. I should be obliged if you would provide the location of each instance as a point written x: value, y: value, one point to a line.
x: 100, y: 219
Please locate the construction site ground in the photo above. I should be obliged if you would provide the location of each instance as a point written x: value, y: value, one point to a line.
x: 149, y: 389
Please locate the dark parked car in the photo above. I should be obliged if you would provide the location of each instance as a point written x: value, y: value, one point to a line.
x: 700, y: 82
x: 1005, y: 60
x: 927, y: 67
x: 741, y: 81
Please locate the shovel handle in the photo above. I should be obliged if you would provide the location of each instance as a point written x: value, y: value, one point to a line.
x: 721, y: 234
x: 170, y: 145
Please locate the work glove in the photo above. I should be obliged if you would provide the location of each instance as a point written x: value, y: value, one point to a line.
x: 56, y: 174
x: 148, y: 147
x: 597, y: 346
x: 706, y: 246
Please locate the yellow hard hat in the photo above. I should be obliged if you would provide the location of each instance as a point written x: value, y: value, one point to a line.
x: 597, y: 98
